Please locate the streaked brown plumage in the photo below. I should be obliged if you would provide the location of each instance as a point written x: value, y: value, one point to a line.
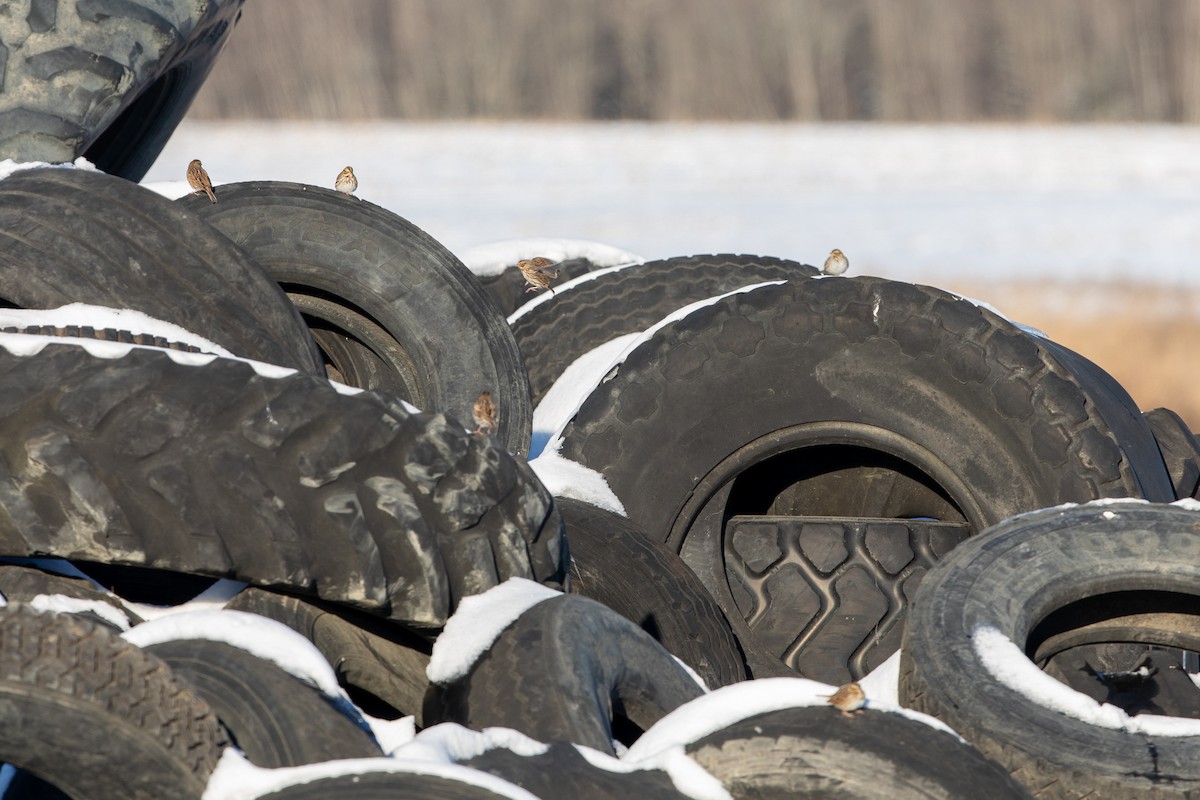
x: 346, y: 182
x: 836, y: 264
x: 485, y: 414
x: 849, y: 699
x: 198, y: 179
x: 538, y: 273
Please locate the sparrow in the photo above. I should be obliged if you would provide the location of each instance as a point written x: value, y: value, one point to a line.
x: 484, y: 412
x: 198, y: 180
x: 849, y: 698
x: 538, y: 273
x: 346, y: 182
x: 836, y: 264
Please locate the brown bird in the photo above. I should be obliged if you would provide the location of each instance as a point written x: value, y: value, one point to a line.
x: 346, y: 182
x: 849, y: 699
x: 198, y: 180
x: 484, y: 412
x: 836, y: 264
x: 538, y: 273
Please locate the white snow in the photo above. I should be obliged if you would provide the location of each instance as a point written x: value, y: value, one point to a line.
x: 8, y: 166
x: 269, y: 640
x: 566, y: 478
x: 212, y: 599
x: 883, y: 683
x: 910, y: 202
x: 62, y: 604
x: 1188, y: 504
x: 1005, y: 662
x: 495, y: 257
x: 450, y: 743
x: 101, y: 317
x: 728, y: 705
x: 392, y: 734
x: 477, y: 622
x: 235, y: 778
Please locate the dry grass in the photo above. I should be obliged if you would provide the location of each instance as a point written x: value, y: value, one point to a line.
x: 1144, y: 336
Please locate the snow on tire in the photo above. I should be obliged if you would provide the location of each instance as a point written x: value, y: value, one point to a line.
x: 390, y: 306
x: 109, y: 80
x: 95, y: 716
x: 791, y: 442
x: 74, y: 236
x: 1044, y: 584
x: 559, y: 330
x: 215, y: 469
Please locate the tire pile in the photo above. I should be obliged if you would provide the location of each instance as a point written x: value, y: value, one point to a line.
x: 249, y: 546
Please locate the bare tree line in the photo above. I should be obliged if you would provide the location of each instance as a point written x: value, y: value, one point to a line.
x: 891, y: 60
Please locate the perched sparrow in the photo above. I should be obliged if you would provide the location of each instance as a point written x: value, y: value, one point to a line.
x: 346, y: 182
x: 836, y: 264
x: 538, y: 273
x: 198, y: 180
x: 849, y: 698
x: 484, y: 412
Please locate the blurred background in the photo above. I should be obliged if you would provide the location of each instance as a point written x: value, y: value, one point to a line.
x: 1040, y: 156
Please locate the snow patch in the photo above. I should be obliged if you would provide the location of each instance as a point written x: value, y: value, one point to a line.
x: 262, y: 637
x: 477, y: 623
x: 8, y: 166
x: 1005, y: 662
x: 566, y: 478
x: 392, y: 734
x: 883, y: 682
x: 1187, y: 504
x: 495, y: 257
x: 62, y: 604
x: 235, y: 778
x: 449, y: 742
x: 102, y: 317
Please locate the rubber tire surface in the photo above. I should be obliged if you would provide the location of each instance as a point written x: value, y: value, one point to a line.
x: 562, y: 671
x: 105, y: 79
x: 369, y: 785
x: 275, y: 719
x: 69, y: 236
x: 367, y: 654
x: 562, y: 771
x: 508, y: 288
x: 872, y: 755
x: 319, y: 243
x: 614, y: 563
x: 216, y: 470
x: 1013, y: 577
x: 918, y: 374
x: 1180, y: 450
x: 555, y: 333
x: 95, y: 716
x: 21, y: 584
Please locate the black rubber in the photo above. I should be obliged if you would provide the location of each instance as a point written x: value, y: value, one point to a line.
x: 1179, y: 448
x: 109, y: 79
x: 382, y: 665
x: 563, y: 671
x: 392, y: 308
x: 96, y: 717
x: 863, y: 406
x: 216, y: 470
x: 73, y: 236
x: 614, y: 563
x: 273, y: 717
x: 555, y: 333
x: 871, y: 755
x: 368, y: 785
x: 21, y: 584
x: 1051, y: 581
x: 562, y: 771
x: 508, y: 288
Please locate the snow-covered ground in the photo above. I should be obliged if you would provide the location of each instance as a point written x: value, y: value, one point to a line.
x: 906, y: 202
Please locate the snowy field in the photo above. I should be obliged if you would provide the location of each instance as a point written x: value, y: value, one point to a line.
x: 1112, y: 203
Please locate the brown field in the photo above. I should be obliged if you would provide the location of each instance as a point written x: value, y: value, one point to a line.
x: 1143, y: 336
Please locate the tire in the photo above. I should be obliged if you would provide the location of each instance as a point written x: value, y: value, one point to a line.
x: 554, y: 334
x: 104, y: 79
x: 217, y: 470
x: 1051, y: 581
x: 393, y: 308
x: 95, y: 716
x: 378, y: 785
x: 508, y: 288
x: 563, y: 671
x: 70, y: 236
x: 815, y: 752
x: 274, y: 718
x: 563, y: 771
x: 614, y: 563
x: 790, y: 441
x: 1180, y: 450
x: 381, y: 665
x: 23, y: 584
